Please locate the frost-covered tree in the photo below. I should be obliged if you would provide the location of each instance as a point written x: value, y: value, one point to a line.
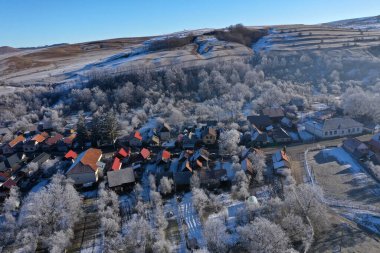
x: 49, y: 213
x: 263, y: 236
x: 258, y: 163
x: 166, y: 185
x: 216, y: 235
x: 8, y: 225
x: 240, y: 189
x: 229, y: 142
x: 296, y: 229
x: 200, y: 199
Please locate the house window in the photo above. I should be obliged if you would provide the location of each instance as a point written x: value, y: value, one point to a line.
x: 326, y: 133
x: 335, y: 132
x: 349, y: 130
x: 353, y: 130
x: 330, y: 132
x: 357, y: 129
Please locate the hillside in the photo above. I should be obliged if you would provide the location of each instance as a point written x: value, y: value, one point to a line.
x: 69, y: 63
x: 367, y: 23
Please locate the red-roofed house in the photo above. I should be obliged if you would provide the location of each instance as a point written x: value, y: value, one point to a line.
x: 135, y: 139
x: 145, y: 153
x: 116, y: 165
x: 85, y: 169
x: 122, y: 153
x: 13, y: 145
x: 71, y: 155
x: 33, y: 144
x: 51, y: 142
x: 163, y: 156
x: 7, y: 185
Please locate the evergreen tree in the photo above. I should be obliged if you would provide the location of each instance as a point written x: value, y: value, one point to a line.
x: 82, y: 132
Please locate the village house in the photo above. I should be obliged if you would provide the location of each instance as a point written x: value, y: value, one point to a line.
x: 51, y: 142
x: 66, y: 143
x: 275, y: 114
x: 14, y: 145
x: 247, y: 166
x: 135, y: 139
x: 335, y: 127
x: 163, y: 156
x: 164, y: 132
x: 209, y: 135
x: 71, y: 155
x: 258, y: 138
x: 261, y: 122
x: 280, y: 135
x: 374, y: 143
x: 356, y: 148
x: 33, y: 144
x: 280, y: 161
x: 85, y: 169
x: 12, y: 163
x: 121, y: 180
x: 286, y: 122
x: 116, y: 164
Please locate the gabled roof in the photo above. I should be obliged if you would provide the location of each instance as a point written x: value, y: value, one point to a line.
x: 116, y: 165
x: 186, y: 166
x: 273, y: 112
x: 38, y: 138
x: 120, y: 177
x: 165, y: 155
x: 279, y: 156
x: 280, y: 133
x: 123, y: 153
x: 337, y: 123
x: 41, y: 158
x: 53, y: 140
x: 260, y: 121
x: 89, y: 158
x: 137, y: 135
x: 246, y: 164
x: 69, y: 139
x: 16, y: 140
x: 71, y: 154
x: 209, y: 131
x: 145, y: 153
x: 9, y: 184
x: 165, y: 128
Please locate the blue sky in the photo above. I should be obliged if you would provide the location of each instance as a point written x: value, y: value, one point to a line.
x: 42, y: 22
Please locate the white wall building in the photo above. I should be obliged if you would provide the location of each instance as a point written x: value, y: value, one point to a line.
x: 335, y: 127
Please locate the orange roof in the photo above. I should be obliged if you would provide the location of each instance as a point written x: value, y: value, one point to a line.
x: 45, y: 134
x: 145, y: 153
x: 16, y: 140
x: 38, y: 138
x: 71, y: 154
x: 91, y: 157
x: 284, y: 156
x: 165, y: 155
x: 122, y: 152
x: 137, y: 135
x: 116, y: 164
x: 188, y: 166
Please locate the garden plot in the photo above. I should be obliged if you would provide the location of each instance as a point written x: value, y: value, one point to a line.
x: 343, y: 179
